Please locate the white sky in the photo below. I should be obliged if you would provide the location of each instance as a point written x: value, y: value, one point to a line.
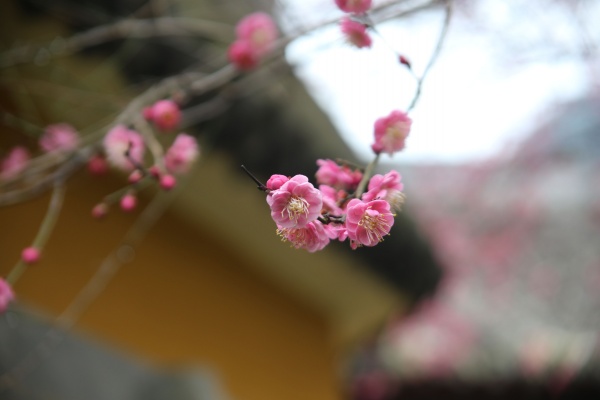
x: 472, y: 102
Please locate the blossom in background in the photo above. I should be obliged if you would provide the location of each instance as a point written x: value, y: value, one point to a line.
x: 336, y: 176
x: 311, y: 237
x: 241, y: 55
x: 165, y: 114
x: 59, y: 138
x: 296, y: 203
x: 331, y: 199
x: 15, y: 162
x: 387, y: 187
x: 118, y: 142
x: 368, y: 222
x: 182, y: 154
x: 256, y: 34
x: 391, y: 132
x: 355, y: 33
x: 6, y: 295
x: 354, y: 6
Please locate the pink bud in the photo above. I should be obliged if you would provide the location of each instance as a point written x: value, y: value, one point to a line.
x: 167, y: 182
x: 242, y: 55
x: 6, y: 295
x: 165, y: 114
x: 97, y: 165
x: 30, y: 255
x: 154, y: 171
x: 404, y: 61
x: 128, y: 202
x: 135, y: 176
x: 99, y: 211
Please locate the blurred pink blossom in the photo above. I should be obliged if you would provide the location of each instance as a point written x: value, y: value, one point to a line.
x: 387, y: 187
x: 355, y: 33
x: 15, y: 162
x: 165, y: 114
x: 391, y: 132
x: 59, y: 138
x: 339, y: 177
x: 120, y: 140
x: 182, y: 154
x: 6, y: 295
x: 354, y: 6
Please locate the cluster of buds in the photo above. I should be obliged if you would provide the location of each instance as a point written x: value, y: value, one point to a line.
x: 125, y: 148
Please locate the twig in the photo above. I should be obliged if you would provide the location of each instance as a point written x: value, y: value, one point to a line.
x: 434, y: 56
x: 115, y: 260
x: 129, y: 28
x: 45, y: 230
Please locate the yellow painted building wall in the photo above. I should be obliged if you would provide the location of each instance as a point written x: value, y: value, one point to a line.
x: 184, y: 299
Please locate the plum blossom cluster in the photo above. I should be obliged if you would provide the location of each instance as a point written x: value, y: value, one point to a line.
x: 256, y: 34
x: 340, y: 208
x: 125, y: 149
x: 310, y: 217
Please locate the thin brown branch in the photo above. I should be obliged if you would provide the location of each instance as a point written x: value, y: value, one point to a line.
x: 434, y: 56
x: 129, y: 28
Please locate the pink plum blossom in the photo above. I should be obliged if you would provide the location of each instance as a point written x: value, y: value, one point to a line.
x: 15, y: 162
x: 336, y: 176
x: 354, y: 6
x: 256, y: 35
x: 387, y: 187
x: 368, y: 222
x: 311, y: 237
x: 242, y: 55
x: 165, y: 114
x: 59, y: 138
x: 355, y: 33
x: 97, y: 165
x: 118, y: 141
x: 6, y: 295
x: 182, y: 154
x: 332, y: 199
x: 296, y: 203
x: 30, y: 255
x: 336, y: 231
x: 391, y: 132
x: 259, y: 31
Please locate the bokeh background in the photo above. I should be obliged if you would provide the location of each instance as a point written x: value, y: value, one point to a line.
x: 486, y: 288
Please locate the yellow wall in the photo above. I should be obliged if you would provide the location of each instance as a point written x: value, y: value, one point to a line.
x: 184, y: 299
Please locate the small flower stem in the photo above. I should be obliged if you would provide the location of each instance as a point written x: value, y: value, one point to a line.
x: 260, y: 186
x: 434, y: 56
x: 366, y: 176
x: 45, y: 230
